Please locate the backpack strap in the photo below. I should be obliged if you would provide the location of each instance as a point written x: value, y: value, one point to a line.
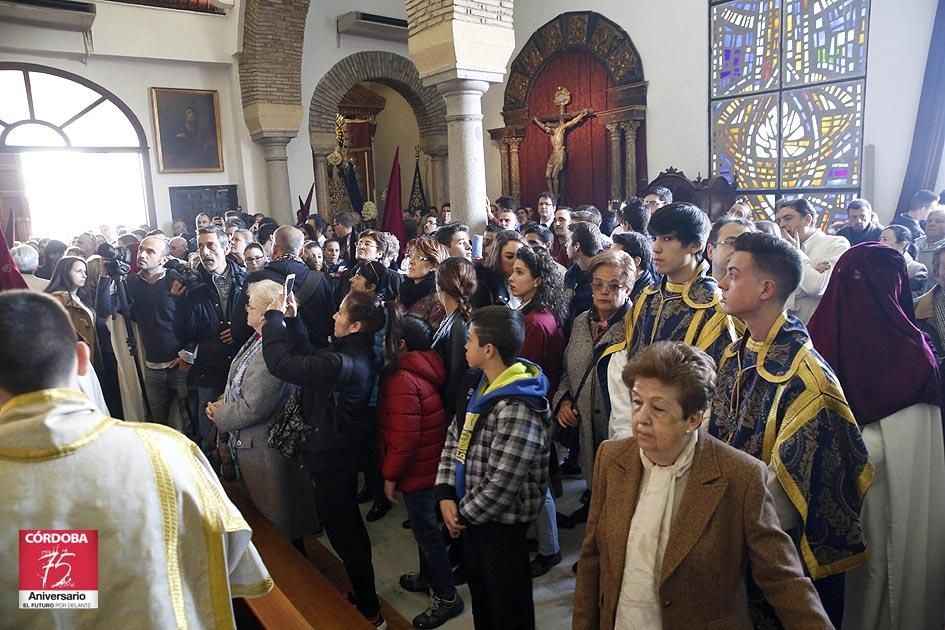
x: 308, y: 286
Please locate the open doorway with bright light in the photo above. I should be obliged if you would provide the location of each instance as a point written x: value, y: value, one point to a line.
x: 80, y: 154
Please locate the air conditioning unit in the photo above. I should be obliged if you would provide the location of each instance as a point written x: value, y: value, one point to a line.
x: 67, y: 15
x: 373, y: 26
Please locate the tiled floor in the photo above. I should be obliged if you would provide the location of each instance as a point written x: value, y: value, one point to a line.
x: 395, y: 553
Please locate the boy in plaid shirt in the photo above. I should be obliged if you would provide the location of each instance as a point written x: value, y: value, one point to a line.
x: 494, y: 470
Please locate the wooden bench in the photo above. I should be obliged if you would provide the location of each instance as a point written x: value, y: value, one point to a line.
x: 302, y: 598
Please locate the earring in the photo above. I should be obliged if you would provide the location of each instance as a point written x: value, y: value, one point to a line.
x: 688, y: 431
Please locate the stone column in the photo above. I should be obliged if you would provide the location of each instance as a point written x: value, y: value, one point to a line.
x: 504, y: 165
x: 515, y: 174
x: 321, y: 184
x: 460, y: 47
x: 616, y: 181
x: 277, y: 177
x: 467, y: 161
x: 272, y: 126
x: 437, y: 184
x: 630, y: 134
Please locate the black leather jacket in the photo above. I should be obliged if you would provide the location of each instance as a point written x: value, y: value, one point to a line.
x: 200, y: 319
x: 336, y: 387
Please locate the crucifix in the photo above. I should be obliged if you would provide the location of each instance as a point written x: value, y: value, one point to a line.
x: 556, y: 133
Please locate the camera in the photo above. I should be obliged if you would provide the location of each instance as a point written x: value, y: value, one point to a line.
x: 185, y: 275
x: 117, y: 260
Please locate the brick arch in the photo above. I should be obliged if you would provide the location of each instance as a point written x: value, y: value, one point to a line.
x: 386, y: 68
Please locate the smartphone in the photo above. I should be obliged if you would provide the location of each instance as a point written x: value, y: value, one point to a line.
x: 289, y: 283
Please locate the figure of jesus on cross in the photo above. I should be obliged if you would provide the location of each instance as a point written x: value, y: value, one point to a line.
x: 556, y: 133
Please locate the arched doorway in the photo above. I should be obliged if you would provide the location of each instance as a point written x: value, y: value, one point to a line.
x: 397, y: 73
x: 596, y: 61
x: 72, y: 154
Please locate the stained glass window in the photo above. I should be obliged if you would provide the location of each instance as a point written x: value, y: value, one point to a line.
x: 746, y: 36
x: 786, y: 99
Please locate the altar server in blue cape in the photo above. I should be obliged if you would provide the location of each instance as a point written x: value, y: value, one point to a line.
x: 684, y: 306
x: 777, y: 399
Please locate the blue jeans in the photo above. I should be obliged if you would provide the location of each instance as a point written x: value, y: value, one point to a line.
x: 547, y: 527
x: 163, y: 387
x: 434, y: 559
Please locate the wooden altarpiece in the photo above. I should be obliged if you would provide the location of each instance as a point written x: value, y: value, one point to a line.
x: 625, y: 112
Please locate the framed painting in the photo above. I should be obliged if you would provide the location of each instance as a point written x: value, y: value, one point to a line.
x: 187, y: 129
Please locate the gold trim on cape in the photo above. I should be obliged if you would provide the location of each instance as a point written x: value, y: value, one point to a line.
x: 51, y: 452
x: 167, y: 497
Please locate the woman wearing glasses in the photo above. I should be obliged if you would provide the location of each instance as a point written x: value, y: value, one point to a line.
x: 418, y: 290
x: 371, y: 247
x: 255, y: 257
x: 580, y: 398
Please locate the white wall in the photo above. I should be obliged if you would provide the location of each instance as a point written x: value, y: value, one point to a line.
x: 672, y: 39
x: 322, y: 50
x: 898, y: 47
x: 134, y: 48
x: 396, y: 127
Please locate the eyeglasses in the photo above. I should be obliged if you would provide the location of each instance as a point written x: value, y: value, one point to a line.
x: 612, y: 287
x: 728, y: 242
x: 255, y: 258
x: 419, y: 258
x: 367, y: 244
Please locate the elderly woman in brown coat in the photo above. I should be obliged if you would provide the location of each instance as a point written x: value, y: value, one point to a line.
x: 275, y: 486
x: 679, y: 519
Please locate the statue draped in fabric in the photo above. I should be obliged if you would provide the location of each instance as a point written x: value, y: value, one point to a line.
x: 344, y: 194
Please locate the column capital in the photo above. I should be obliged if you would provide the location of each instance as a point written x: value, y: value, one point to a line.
x: 614, y: 128
x: 458, y: 85
x: 514, y: 143
x: 630, y: 127
x: 271, y: 118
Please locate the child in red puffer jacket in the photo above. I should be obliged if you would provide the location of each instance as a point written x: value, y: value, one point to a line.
x: 412, y: 431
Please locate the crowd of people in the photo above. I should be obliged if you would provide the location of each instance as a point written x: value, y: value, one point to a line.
x: 755, y: 407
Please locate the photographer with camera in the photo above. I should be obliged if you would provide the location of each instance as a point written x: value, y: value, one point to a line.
x: 206, y: 302
x: 146, y: 300
x: 312, y: 290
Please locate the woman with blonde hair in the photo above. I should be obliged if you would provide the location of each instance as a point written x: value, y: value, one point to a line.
x: 252, y: 396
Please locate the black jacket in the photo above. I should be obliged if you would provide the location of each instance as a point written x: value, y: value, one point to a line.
x: 390, y: 284
x: 577, y: 284
x: 316, y: 312
x: 491, y: 289
x: 906, y: 221
x: 450, y: 342
x: 871, y: 233
x: 336, y: 387
x: 200, y: 319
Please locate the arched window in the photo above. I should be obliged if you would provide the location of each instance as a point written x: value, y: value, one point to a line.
x: 786, y: 92
x: 83, y: 154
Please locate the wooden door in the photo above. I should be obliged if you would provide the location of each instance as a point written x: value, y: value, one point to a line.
x: 14, y: 206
